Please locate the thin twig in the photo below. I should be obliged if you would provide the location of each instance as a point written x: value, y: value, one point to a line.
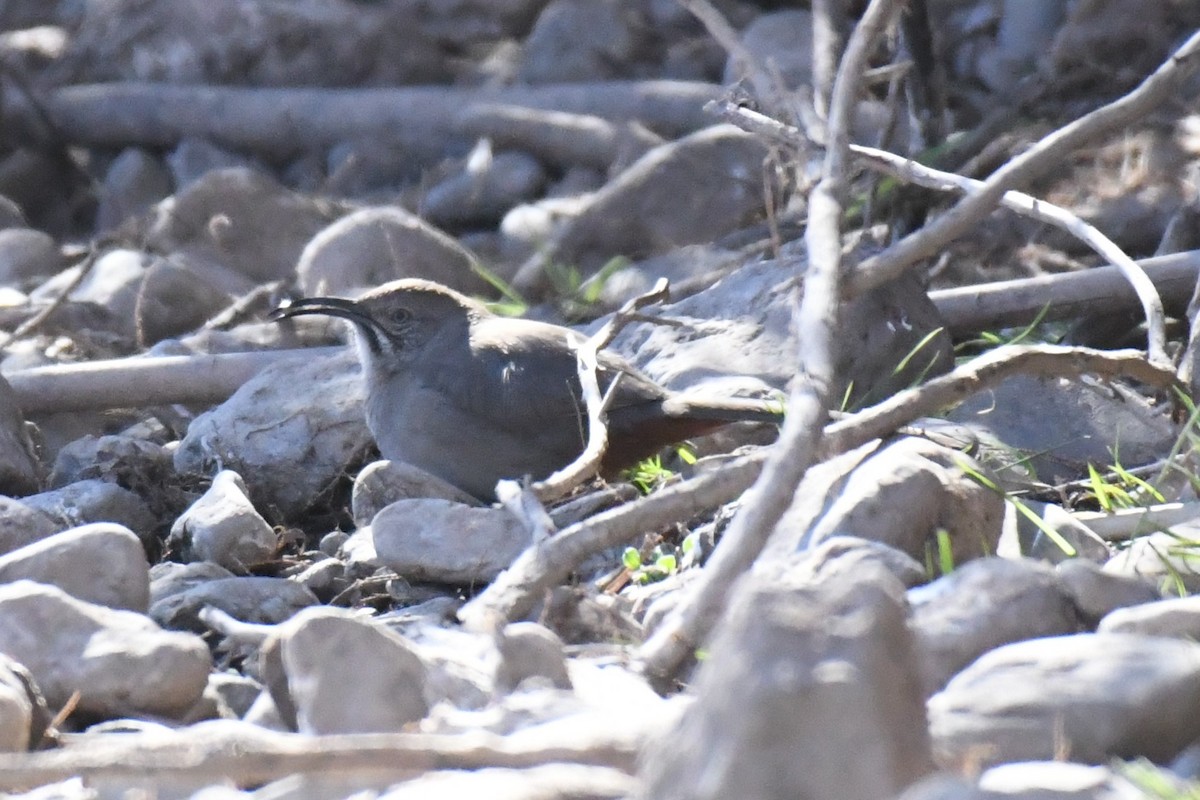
x: 1047, y: 154
x: 816, y: 317
x: 33, y: 323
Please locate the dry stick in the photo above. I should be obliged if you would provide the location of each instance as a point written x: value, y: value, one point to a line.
x: 681, y: 632
x: 248, y: 756
x: 293, y: 120
x: 827, y: 19
x: 1152, y: 306
x: 723, y: 33
x: 1047, y: 154
x: 33, y: 323
x: 587, y: 466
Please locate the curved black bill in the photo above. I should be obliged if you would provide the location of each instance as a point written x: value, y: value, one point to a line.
x: 332, y: 307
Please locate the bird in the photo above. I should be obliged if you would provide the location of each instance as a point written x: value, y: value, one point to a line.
x: 473, y: 397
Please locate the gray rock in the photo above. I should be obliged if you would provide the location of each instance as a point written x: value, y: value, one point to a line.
x: 20, y: 471
x: 1158, y: 559
x: 1034, y: 542
x: 529, y: 650
x: 842, y: 551
x: 801, y: 665
x: 252, y: 599
x: 11, y: 215
x: 291, y: 430
x: 663, y: 201
x: 1094, y: 696
x: 194, y: 158
x: 904, y: 494
x: 134, y: 182
x: 980, y: 606
x: 481, y: 198
x: 120, y: 661
x: 95, y: 500
x: 169, y: 578
x: 314, y: 650
x: 375, y: 245
x: 26, y: 253
x: 223, y: 527
x: 112, y: 458
x: 780, y: 43
x: 326, y: 579
x: 233, y: 693
x: 579, y: 40
x: 1178, y: 617
x: 1095, y: 592
x: 1065, y: 425
x: 382, y: 483
x: 445, y: 542
x: 240, y: 219
x: 21, y: 525
x: 101, y: 563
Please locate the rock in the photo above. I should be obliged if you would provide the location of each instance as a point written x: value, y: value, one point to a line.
x: 1065, y: 425
x: 120, y: 661
x: 905, y: 493
x: 168, y: 578
x: 1178, y: 617
x: 1052, y: 780
x: 26, y: 253
x: 843, y: 551
x: 1158, y: 559
x: 580, y: 40
x: 382, y: 483
x: 558, y: 780
x: 113, y: 458
x: 781, y: 43
x: 376, y: 245
x: 240, y: 219
x: 313, y: 652
x: 481, y: 197
x: 21, y: 524
x: 134, y: 182
x: 530, y: 651
x: 101, y: 563
x: 1095, y: 592
x: 251, y: 599
x: 1094, y: 696
x: 42, y: 184
x: 194, y: 158
x: 232, y: 693
x: 1033, y: 541
x: 10, y: 214
x: 252, y: 44
x: 223, y: 527
x: 326, y: 579
x: 292, y: 430
x: 445, y: 542
x: 980, y: 606
x: 23, y: 713
x: 20, y: 471
x: 801, y: 664
x: 663, y: 201
x: 95, y: 500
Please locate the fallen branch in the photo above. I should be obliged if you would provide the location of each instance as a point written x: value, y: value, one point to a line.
x: 250, y: 756
x: 278, y: 121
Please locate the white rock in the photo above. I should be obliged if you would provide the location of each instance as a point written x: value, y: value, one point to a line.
x: 120, y: 661
x: 223, y: 527
x: 101, y: 563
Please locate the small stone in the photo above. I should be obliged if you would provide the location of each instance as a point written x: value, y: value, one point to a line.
x: 21, y: 524
x: 481, y: 198
x: 445, y: 542
x: 250, y: 599
x: 1095, y: 592
x: 376, y: 245
x: 194, y: 158
x: 20, y: 470
x: 135, y: 181
x: 110, y: 458
x: 168, y: 577
x: 316, y: 648
x: 120, y: 661
x: 96, y: 500
x: 23, y: 713
x: 382, y: 483
x: 26, y: 253
x: 102, y: 563
x: 528, y: 650
x: 1094, y: 695
x: 980, y: 606
x: 1158, y: 559
x: 224, y: 527
x: 325, y: 579
x: 1177, y: 617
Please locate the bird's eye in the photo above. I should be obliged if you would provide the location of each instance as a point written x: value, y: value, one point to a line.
x: 399, y: 316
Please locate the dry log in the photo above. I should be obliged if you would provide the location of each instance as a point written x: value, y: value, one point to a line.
x: 283, y: 122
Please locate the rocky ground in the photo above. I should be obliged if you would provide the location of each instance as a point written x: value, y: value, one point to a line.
x: 210, y: 586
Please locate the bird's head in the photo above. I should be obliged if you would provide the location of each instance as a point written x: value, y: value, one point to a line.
x: 396, y: 321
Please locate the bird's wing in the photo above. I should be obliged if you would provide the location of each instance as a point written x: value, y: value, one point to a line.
x: 522, y: 375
